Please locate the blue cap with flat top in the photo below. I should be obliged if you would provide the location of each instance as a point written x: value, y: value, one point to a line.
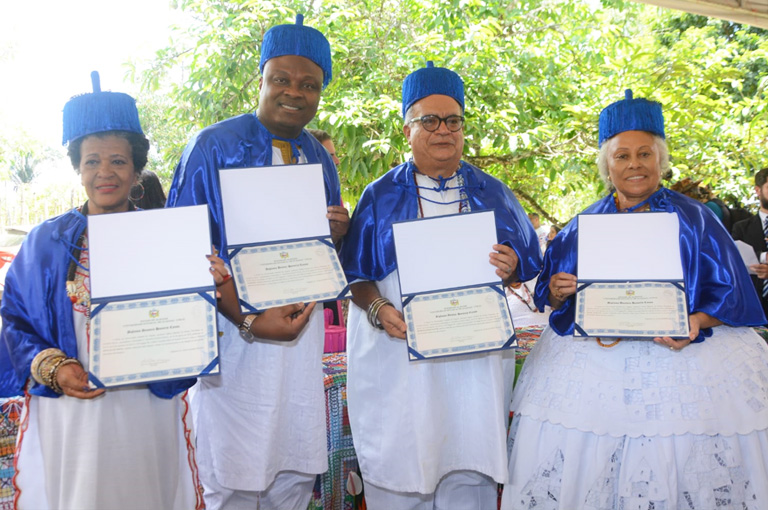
x: 432, y: 80
x: 299, y: 40
x: 630, y: 114
x: 99, y: 111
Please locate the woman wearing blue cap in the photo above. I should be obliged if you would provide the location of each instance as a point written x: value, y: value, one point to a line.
x: 80, y: 448
x: 634, y: 423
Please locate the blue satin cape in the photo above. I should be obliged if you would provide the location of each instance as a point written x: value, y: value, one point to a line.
x: 238, y: 142
x: 368, y: 251
x: 36, y: 311
x: 716, y: 280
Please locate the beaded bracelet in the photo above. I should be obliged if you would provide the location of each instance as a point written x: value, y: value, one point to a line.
x: 373, y: 311
x: 54, y: 384
x: 49, y: 376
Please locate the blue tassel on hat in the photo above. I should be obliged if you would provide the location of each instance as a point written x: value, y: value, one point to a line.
x: 99, y: 111
x: 298, y: 40
x: 432, y: 80
x: 630, y: 115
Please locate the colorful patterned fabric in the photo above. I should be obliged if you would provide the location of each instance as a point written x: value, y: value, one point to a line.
x: 526, y: 338
x: 331, y: 489
x: 9, y: 425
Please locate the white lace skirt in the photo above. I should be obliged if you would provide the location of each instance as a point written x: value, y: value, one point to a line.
x: 638, y: 426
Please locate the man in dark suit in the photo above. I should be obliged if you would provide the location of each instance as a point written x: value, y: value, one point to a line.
x: 754, y: 232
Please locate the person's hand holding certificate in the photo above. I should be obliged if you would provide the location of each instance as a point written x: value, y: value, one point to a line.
x: 153, y: 305
x: 630, y: 276
x: 279, y: 242
x: 453, y: 301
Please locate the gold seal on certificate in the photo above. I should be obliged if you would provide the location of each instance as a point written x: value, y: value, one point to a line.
x: 454, y: 304
x: 156, y: 321
x: 280, y: 246
x: 630, y: 281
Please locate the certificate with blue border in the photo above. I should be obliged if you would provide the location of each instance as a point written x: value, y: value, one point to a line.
x: 269, y: 275
x: 153, y: 305
x: 453, y: 301
x: 279, y: 243
x: 148, y: 340
x: 630, y: 277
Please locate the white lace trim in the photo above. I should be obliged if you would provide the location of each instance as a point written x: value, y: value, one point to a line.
x: 573, y: 469
x: 639, y: 388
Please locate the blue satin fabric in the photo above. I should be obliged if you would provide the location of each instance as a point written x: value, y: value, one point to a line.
x: 36, y: 311
x: 716, y: 280
x: 238, y: 142
x: 368, y: 251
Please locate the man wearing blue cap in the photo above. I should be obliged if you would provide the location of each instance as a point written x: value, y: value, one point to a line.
x: 428, y: 434
x: 261, y: 423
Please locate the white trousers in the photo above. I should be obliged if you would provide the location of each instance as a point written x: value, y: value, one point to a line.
x: 289, y: 491
x: 458, y: 490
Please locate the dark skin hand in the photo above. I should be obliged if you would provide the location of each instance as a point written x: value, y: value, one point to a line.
x: 563, y: 285
x: 283, y: 323
x: 338, y: 217
x: 218, y: 270
x: 73, y: 381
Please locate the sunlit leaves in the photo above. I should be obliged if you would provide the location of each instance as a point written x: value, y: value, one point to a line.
x: 536, y: 72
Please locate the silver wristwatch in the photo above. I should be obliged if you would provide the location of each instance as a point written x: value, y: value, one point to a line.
x: 245, y: 327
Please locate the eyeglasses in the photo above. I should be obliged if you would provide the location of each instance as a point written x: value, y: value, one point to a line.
x: 432, y: 122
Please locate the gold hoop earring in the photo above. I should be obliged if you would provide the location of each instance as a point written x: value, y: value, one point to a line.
x: 140, y: 186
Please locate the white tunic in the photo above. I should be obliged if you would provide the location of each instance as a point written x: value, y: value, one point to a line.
x: 414, y: 422
x: 265, y: 412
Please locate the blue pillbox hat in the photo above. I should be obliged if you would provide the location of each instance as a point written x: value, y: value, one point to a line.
x: 99, y: 111
x: 298, y: 40
x: 432, y: 80
x: 630, y: 115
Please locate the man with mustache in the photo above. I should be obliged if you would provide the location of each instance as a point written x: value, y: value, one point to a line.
x: 429, y: 434
x: 260, y: 424
x: 753, y: 232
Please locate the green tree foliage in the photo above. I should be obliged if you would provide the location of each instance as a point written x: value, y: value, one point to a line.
x: 537, y: 74
x: 23, y: 167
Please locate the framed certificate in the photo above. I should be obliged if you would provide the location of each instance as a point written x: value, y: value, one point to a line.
x: 279, y: 242
x: 453, y: 301
x: 630, y: 276
x: 153, y: 304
